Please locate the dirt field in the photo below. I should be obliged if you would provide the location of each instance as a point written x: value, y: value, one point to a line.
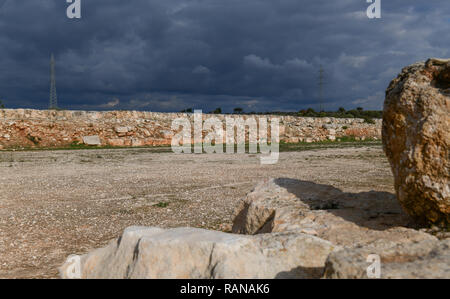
x: 56, y: 203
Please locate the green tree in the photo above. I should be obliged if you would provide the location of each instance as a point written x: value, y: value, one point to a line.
x: 310, y: 112
x: 218, y: 111
x: 238, y: 110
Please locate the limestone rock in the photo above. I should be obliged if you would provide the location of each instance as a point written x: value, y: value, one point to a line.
x: 426, y: 259
x: 121, y: 129
x: 116, y: 142
x: 92, y: 140
x: 416, y: 139
x: 345, y: 219
x: 143, y: 252
x: 62, y: 128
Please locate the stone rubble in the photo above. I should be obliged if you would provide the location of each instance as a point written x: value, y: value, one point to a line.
x: 51, y: 128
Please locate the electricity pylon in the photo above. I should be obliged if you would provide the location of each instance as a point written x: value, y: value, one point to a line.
x: 53, y: 96
x: 321, y: 86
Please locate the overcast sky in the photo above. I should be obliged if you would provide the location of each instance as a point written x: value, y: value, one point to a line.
x: 168, y: 55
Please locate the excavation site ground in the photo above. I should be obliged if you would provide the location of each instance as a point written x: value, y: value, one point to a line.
x: 62, y: 202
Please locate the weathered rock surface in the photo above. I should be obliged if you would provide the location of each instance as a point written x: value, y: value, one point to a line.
x: 345, y: 219
x: 358, y: 224
x: 286, y: 229
x: 51, y: 128
x: 426, y: 259
x: 416, y: 139
x: 148, y: 252
x: 92, y: 140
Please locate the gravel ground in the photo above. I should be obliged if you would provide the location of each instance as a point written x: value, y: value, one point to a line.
x: 57, y: 203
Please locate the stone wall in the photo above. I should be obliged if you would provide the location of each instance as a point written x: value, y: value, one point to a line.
x: 49, y: 128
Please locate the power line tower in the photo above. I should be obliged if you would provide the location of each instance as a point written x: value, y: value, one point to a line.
x: 321, y: 87
x: 53, y: 96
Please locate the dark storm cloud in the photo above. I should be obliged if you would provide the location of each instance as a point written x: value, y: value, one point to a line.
x: 170, y: 55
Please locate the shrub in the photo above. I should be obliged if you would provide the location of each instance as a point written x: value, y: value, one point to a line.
x: 238, y: 110
x: 369, y: 120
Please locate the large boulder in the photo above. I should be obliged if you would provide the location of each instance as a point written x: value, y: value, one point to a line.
x: 416, y: 137
x: 358, y: 224
x: 149, y: 252
x: 345, y: 219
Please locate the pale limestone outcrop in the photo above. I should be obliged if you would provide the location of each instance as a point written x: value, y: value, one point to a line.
x: 426, y: 259
x: 345, y: 219
x: 359, y: 224
x: 92, y: 140
x: 416, y: 139
x: 148, y: 252
x: 49, y: 128
x: 284, y: 228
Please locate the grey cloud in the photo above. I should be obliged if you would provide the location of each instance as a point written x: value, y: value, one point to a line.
x: 172, y: 55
